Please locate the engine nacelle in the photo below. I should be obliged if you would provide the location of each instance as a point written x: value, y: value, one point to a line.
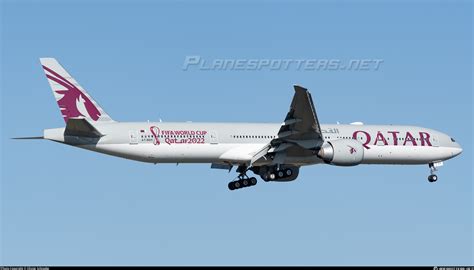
x: 344, y: 152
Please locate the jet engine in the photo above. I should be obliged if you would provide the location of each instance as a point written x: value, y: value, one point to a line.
x: 343, y: 152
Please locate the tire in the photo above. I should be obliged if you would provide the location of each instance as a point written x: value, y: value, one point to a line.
x: 245, y: 182
x: 253, y: 181
x: 231, y: 186
x: 237, y: 185
x: 288, y: 172
x: 271, y: 176
x: 281, y: 174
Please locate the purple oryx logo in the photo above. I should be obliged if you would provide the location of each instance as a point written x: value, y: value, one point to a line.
x: 352, y: 150
x: 74, y: 102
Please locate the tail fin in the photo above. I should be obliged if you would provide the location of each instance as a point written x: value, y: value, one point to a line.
x: 73, y: 100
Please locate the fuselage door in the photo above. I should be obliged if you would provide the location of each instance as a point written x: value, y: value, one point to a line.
x: 213, y: 137
x: 133, y: 136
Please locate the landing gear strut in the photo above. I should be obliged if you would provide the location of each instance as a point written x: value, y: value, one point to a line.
x: 243, y: 179
x: 433, y: 168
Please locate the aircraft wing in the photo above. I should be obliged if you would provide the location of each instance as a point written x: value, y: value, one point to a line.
x: 301, y: 122
x: 300, y: 133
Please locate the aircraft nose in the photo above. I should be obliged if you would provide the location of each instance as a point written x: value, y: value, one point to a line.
x: 457, y: 150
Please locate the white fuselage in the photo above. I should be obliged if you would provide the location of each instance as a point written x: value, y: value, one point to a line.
x: 228, y: 142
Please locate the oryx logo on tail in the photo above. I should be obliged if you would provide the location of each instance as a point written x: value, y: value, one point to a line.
x: 73, y: 102
x: 72, y: 99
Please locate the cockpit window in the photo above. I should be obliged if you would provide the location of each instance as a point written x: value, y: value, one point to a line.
x: 453, y: 140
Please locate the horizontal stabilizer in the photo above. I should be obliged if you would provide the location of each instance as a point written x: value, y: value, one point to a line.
x: 29, y: 138
x: 82, y: 128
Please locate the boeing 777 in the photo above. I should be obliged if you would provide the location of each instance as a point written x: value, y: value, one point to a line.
x: 273, y: 151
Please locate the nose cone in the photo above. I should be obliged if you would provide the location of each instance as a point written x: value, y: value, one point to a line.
x: 457, y: 150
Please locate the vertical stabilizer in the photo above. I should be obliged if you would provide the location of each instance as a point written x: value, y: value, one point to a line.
x: 72, y: 99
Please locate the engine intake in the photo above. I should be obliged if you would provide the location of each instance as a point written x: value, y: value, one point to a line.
x: 344, y: 152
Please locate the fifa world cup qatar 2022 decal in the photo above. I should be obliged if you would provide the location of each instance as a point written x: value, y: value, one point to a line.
x: 177, y: 136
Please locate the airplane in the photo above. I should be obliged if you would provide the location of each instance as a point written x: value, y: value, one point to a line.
x: 273, y: 151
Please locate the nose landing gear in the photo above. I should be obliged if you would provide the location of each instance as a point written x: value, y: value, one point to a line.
x: 433, y: 178
x: 433, y: 168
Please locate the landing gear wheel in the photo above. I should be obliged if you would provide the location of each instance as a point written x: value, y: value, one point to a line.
x: 237, y: 184
x: 271, y: 176
x: 253, y: 181
x: 242, y: 179
x: 433, y: 178
x: 266, y: 178
x: 288, y: 172
x: 281, y: 174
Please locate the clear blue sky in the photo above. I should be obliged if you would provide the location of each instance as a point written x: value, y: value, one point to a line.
x: 63, y: 205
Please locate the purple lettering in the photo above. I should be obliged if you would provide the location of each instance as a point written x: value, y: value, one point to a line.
x: 395, y: 137
x: 380, y: 137
x: 367, y: 138
x: 425, y: 138
x: 410, y: 138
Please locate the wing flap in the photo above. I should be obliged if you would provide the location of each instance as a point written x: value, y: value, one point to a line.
x: 261, y: 153
x: 245, y: 154
x: 221, y: 166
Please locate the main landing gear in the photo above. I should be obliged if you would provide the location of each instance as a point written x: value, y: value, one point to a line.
x: 243, y: 179
x: 433, y: 168
x: 278, y: 174
x: 241, y: 183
